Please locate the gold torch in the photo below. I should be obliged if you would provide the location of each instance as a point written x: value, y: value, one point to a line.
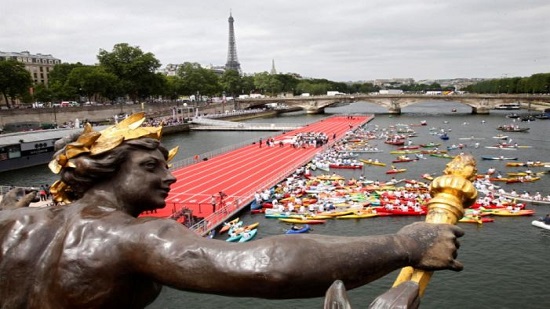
x: 451, y: 193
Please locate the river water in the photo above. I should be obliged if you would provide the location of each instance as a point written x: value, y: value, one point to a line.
x: 505, y: 261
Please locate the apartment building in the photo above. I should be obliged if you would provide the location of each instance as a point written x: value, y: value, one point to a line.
x: 38, y: 65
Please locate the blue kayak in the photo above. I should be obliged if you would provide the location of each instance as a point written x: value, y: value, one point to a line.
x: 304, y: 229
x: 234, y: 238
x: 246, y: 236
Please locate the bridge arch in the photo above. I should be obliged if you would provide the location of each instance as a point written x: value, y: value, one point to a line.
x: 395, y: 106
x: 480, y: 104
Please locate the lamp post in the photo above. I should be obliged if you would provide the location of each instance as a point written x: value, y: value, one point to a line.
x: 196, y: 109
x: 54, y: 116
x: 223, y: 102
x: 187, y: 108
x: 175, y: 112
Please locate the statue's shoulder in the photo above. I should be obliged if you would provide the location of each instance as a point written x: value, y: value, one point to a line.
x: 37, y: 225
x: 114, y: 219
x: 27, y: 215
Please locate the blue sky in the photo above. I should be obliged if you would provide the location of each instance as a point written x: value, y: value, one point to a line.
x: 337, y: 40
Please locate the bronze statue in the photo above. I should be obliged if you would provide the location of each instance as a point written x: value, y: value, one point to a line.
x: 18, y: 197
x: 94, y: 252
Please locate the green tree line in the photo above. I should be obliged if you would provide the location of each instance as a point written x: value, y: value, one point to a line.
x: 129, y: 72
x: 534, y: 84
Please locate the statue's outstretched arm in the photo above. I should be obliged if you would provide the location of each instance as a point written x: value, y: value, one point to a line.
x: 281, y: 266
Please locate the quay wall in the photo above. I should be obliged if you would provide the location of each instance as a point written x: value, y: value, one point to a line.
x: 101, y: 113
x: 97, y: 113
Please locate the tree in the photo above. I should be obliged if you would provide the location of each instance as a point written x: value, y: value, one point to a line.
x: 93, y: 82
x: 247, y: 83
x: 15, y: 81
x: 536, y: 83
x: 42, y: 93
x: 539, y: 83
x: 195, y: 78
x: 314, y: 87
x: 231, y: 82
x: 267, y: 83
x: 61, y: 72
x: 368, y: 87
x: 57, y: 81
x: 288, y: 82
x: 134, y: 69
x: 172, y: 86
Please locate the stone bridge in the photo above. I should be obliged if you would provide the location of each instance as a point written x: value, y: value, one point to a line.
x: 480, y: 104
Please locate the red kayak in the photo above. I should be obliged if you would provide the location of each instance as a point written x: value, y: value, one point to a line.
x: 474, y: 220
x: 345, y: 166
x: 398, y: 212
x: 404, y: 160
x: 396, y: 142
x: 408, y: 147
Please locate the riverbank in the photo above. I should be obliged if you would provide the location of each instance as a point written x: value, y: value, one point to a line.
x: 36, y: 147
x: 105, y: 113
x: 184, y: 127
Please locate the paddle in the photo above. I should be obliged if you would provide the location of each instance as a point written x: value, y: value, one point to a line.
x: 451, y: 192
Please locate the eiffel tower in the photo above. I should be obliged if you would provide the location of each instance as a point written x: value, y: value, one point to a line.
x: 232, y: 60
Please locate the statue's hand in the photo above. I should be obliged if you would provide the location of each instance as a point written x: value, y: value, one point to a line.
x: 433, y: 246
x: 336, y: 297
x: 17, y: 198
x: 403, y: 296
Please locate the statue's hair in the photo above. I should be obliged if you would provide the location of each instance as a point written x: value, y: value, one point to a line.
x: 91, y: 170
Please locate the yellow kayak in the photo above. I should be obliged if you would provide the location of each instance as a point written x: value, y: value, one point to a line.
x: 358, y: 216
x: 372, y: 162
x: 523, y: 174
x: 302, y: 221
x: 335, y: 213
x: 312, y: 217
x: 508, y: 213
x: 246, y: 228
x: 405, y: 151
x: 227, y: 225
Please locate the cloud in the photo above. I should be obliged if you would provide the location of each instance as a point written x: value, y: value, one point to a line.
x: 341, y: 41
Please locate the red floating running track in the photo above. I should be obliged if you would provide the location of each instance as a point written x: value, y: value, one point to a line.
x: 242, y: 172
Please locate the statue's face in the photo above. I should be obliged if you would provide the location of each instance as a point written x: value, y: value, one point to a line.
x: 143, y: 180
